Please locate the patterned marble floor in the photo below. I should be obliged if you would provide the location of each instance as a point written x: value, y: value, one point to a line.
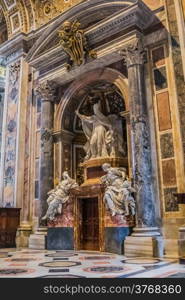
x: 26, y: 263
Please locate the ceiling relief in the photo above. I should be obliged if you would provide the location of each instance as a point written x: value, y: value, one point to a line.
x: 27, y: 15
x: 10, y: 3
x: 19, y: 15
x: 3, y: 28
x: 46, y: 10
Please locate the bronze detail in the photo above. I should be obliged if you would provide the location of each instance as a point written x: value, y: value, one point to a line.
x: 74, y: 43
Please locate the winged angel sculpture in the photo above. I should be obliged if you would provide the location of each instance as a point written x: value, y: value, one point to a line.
x: 74, y: 43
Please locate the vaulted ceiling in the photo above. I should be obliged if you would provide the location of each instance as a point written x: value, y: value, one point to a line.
x: 28, y: 15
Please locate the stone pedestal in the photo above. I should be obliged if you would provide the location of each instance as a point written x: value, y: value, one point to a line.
x: 181, y: 242
x: 22, y: 236
x: 93, y: 168
x: 144, y: 242
x: 38, y: 240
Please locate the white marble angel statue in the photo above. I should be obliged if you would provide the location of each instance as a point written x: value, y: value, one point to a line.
x: 102, y: 133
x: 118, y: 192
x: 58, y: 196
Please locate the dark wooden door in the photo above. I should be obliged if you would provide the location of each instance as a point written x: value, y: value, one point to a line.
x: 9, y: 222
x: 90, y: 224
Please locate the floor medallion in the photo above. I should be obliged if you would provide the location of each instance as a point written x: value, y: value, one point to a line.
x: 15, y: 271
x: 105, y: 269
x: 58, y: 264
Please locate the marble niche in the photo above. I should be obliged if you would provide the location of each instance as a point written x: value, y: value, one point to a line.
x: 99, y: 137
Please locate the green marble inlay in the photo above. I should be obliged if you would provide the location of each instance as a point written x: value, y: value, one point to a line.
x: 166, y: 141
x: 177, y: 61
x: 171, y: 203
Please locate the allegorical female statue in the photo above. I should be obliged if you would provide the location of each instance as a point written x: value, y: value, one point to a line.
x: 58, y: 196
x: 103, y: 136
x: 118, y: 192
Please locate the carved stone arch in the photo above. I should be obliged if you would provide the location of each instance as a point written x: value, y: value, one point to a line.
x: 80, y: 12
x: 30, y: 14
x: 4, y: 10
x: 26, y: 10
x: 27, y: 14
x: 23, y: 15
x: 107, y: 74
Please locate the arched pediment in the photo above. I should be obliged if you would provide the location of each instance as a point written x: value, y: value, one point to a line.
x: 89, y: 13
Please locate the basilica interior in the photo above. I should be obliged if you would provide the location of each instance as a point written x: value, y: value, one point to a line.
x: 92, y: 138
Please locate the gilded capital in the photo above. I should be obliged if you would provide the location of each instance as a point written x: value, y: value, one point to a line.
x: 46, y: 90
x: 133, y: 53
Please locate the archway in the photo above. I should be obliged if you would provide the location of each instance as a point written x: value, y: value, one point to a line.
x: 90, y: 213
x: 112, y: 88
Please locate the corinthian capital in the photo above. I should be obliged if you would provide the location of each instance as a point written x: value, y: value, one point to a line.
x: 46, y: 90
x: 133, y: 53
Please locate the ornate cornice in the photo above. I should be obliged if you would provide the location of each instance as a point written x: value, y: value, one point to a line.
x: 137, y: 16
x: 46, y: 90
x: 133, y: 53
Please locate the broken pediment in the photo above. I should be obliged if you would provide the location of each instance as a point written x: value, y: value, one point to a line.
x: 119, y: 16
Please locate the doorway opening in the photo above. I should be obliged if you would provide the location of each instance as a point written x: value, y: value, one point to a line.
x: 89, y: 227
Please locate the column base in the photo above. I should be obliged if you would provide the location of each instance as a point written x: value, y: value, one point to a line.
x: 171, y: 248
x: 22, y: 235
x: 38, y: 240
x: 181, y: 243
x: 144, y: 242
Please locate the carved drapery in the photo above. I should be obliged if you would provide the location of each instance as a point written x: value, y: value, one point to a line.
x: 134, y: 57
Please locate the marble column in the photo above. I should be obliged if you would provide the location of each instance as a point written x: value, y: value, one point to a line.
x: 134, y: 56
x: 46, y: 91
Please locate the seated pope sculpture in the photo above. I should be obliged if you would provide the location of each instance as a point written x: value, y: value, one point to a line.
x: 118, y: 191
x: 58, y: 196
x: 103, y: 136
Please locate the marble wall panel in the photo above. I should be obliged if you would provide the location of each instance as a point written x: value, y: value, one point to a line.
x: 170, y: 200
x: 60, y: 239
x: 66, y: 158
x: 164, y: 115
x: 158, y: 57
x: 167, y: 149
x: 11, y: 134
x: 160, y: 78
x: 153, y: 4
x: 57, y: 163
x: 118, y: 220
x: 26, y: 195
x: 79, y: 171
x: 66, y: 219
x: 177, y: 60
x: 37, y: 148
x: 36, y: 189
x: 114, y: 239
x: 169, y: 172
x: 183, y: 7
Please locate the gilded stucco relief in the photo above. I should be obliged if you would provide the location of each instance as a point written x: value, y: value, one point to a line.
x: 27, y: 15
x: 46, y: 10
